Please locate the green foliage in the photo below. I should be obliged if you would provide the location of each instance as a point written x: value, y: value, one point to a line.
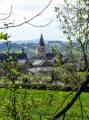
x: 24, y: 78
x: 40, y: 104
x: 24, y: 104
x: 65, y: 1
x: 72, y: 17
x: 4, y: 36
x: 74, y: 20
x: 11, y: 72
x: 54, y: 50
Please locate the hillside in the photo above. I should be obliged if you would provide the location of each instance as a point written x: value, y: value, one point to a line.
x: 31, y: 48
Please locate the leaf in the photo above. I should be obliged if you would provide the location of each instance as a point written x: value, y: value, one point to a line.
x: 65, y: 20
x: 20, y: 87
x: 1, y: 36
x: 11, y: 83
x: 83, y: 62
x: 10, y: 57
x: 80, y: 19
x: 65, y: 1
x: 68, y: 38
x: 6, y: 25
x: 84, y: 29
x: 10, y: 23
x: 70, y: 42
x: 67, y: 47
x: 73, y: 34
x: 64, y: 32
x: 6, y: 43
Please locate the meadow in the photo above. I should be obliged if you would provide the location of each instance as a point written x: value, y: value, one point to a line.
x: 42, y: 104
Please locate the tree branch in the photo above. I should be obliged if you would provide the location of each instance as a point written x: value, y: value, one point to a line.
x: 39, y: 25
x: 8, y: 15
x: 40, y: 13
x: 65, y: 109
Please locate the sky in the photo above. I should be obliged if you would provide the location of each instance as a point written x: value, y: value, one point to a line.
x: 27, y: 9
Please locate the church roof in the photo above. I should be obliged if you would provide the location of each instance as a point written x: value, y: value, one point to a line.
x: 41, y: 43
x: 50, y: 56
x: 40, y: 62
x: 3, y: 56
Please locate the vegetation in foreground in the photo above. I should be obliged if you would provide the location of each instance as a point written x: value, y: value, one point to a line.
x: 41, y: 104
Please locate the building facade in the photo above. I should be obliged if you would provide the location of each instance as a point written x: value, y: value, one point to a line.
x: 41, y: 49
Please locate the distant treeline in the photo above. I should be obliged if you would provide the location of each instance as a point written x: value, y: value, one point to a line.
x: 54, y: 42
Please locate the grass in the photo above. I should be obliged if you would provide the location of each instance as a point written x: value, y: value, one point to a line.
x: 42, y: 104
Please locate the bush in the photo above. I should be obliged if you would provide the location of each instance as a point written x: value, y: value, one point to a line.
x: 24, y: 78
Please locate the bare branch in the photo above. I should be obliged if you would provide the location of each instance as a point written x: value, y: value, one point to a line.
x: 39, y: 25
x: 27, y: 21
x: 8, y: 15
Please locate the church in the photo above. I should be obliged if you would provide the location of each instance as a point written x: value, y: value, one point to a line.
x: 42, y: 50
x: 42, y: 59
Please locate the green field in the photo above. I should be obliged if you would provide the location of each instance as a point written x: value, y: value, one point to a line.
x: 42, y: 104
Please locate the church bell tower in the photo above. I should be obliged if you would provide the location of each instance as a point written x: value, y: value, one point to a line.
x: 41, y: 48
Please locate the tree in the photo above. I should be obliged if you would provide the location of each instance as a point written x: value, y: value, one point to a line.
x: 74, y: 20
x: 12, y: 73
x: 79, y: 33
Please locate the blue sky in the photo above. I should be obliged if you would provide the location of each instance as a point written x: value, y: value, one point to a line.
x: 28, y: 9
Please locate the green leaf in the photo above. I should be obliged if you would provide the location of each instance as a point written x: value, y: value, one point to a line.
x: 70, y: 42
x: 73, y: 34
x: 6, y: 25
x: 73, y: 17
x: 64, y: 32
x: 11, y: 83
x: 83, y: 62
x: 65, y: 1
x: 6, y: 43
x: 84, y: 29
x: 6, y: 53
x: 20, y: 87
x: 67, y: 47
x: 1, y: 36
x: 10, y: 57
x: 65, y: 20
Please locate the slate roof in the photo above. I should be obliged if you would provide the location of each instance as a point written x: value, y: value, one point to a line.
x: 50, y: 56
x: 39, y: 62
x: 31, y: 60
x: 41, y: 42
x: 3, y: 56
x: 21, y: 62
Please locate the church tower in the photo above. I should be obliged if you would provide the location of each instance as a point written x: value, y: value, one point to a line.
x: 41, y: 48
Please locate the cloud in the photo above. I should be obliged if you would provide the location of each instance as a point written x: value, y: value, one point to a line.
x: 28, y: 9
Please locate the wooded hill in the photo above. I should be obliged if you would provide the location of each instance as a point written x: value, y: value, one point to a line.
x: 31, y: 48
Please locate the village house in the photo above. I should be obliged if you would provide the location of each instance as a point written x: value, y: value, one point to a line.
x: 40, y: 60
x: 20, y: 58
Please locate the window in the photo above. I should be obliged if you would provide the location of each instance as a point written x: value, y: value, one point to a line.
x: 42, y: 49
